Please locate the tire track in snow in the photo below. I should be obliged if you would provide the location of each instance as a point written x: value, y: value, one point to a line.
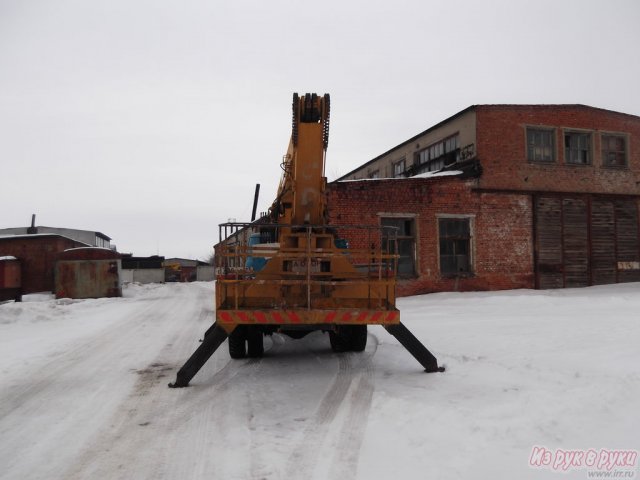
x: 260, y: 468
x: 49, y: 376
x: 351, y: 436
x: 160, y: 402
x: 223, y: 407
x: 115, y: 451
x: 224, y: 419
x: 139, y: 423
x: 304, y: 459
x: 77, y: 386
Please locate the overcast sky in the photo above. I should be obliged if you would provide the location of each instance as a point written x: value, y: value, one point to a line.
x: 152, y: 120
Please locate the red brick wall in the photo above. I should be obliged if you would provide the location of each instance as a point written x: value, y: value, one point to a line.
x: 501, y: 148
x: 503, y: 249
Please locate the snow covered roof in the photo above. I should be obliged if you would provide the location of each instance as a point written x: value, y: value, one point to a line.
x: 7, y: 257
x: 448, y: 173
x: 59, y: 230
x: 88, y: 248
x: 36, y: 235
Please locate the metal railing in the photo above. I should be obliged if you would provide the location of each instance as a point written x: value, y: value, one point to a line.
x: 316, y: 266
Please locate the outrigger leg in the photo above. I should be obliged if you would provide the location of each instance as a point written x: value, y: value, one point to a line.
x: 213, y: 338
x: 415, y: 348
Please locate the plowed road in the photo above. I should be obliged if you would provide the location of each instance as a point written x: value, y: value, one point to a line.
x: 96, y: 405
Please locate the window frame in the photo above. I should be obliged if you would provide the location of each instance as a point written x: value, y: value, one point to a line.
x: 470, y: 218
x: 399, y: 174
x: 625, y: 138
x: 567, y: 150
x: 413, y: 239
x: 541, y: 129
x: 434, y: 156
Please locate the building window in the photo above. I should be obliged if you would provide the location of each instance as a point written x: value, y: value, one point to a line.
x: 577, y: 148
x: 439, y: 155
x: 541, y: 145
x: 398, y: 169
x: 374, y: 174
x: 614, y: 150
x: 406, y: 236
x: 455, y: 246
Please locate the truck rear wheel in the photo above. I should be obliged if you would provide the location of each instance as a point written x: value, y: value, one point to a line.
x: 358, y: 340
x: 348, y: 338
x: 254, y: 342
x: 339, y: 341
x: 237, y: 342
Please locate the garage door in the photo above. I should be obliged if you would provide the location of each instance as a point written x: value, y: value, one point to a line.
x: 583, y: 241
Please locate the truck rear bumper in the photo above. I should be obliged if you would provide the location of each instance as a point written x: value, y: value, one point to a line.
x: 307, y: 317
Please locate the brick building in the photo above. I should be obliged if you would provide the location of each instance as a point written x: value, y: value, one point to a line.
x: 506, y: 196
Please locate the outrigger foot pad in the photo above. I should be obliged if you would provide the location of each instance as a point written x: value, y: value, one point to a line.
x: 213, y: 338
x: 414, y: 347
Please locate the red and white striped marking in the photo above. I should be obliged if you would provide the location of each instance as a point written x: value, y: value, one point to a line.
x: 294, y: 317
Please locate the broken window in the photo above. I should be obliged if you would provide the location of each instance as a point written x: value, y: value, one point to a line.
x: 541, y: 145
x: 577, y: 148
x: 455, y: 246
x: 439, y: 155
x: 614, y: 150
x: 406, y: 243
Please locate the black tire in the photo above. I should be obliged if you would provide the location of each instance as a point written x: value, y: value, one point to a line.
x: 358, y: 338
x: 339, y: 340
x: 237, y: 343
x: 255, y: 343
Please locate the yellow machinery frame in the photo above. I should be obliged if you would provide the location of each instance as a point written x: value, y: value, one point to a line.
x: 307, y: 281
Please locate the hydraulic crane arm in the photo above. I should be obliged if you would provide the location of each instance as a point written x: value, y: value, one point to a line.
x: 301, y: 195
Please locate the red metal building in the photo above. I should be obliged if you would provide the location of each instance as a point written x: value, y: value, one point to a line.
x: 10, y: 278
x: 89, y: 272
x: 37, y: 254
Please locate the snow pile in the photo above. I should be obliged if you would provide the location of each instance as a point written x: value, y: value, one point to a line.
x: 554, y: 368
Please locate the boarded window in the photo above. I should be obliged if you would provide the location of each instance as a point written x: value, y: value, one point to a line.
x: 577, y: 148
x: 549, y: 242
x: 575, y: 245
x: 603, y: 238
x: 455, y: 246
x: 614, y: 150
x: 406, y: 243
x: 586, y: 241
x: 541, y: 145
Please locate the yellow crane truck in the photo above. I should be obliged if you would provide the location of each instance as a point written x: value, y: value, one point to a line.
x: 292, y: 272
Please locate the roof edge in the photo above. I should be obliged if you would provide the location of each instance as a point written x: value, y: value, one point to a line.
x: 482, y: 106
x: 410, y: 140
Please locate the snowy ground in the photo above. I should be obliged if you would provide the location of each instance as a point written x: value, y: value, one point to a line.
x: 83, y: 390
